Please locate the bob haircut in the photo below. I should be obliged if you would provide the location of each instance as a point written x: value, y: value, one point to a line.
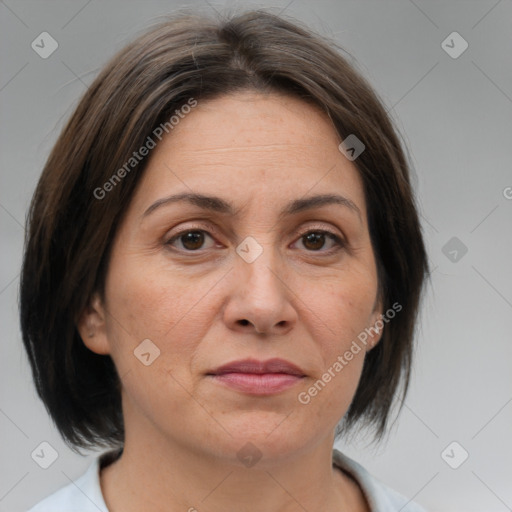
x: 72, y: 220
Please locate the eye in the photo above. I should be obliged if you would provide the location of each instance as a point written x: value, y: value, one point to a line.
x: 193, y: 240
x: 190, y: 239
x: 314, y: 241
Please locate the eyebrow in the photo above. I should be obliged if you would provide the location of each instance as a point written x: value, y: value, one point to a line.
x: 216, y: 204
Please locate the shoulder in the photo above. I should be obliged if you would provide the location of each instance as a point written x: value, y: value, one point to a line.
x: 380, y: 497
x: 82, y: 495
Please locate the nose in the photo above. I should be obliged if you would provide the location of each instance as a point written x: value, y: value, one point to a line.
x: 261, y: 299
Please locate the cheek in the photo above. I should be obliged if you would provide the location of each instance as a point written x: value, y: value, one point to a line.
x: 337, y: 312
x: 153, y: 300
x: 150, y: 305
x: 165, y: 306
x: 344, y: 304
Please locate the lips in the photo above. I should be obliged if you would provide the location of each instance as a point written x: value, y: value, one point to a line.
x: 248, y: 366
x: 258, y: 378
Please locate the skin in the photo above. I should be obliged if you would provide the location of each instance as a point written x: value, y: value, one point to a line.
x: 301, y: 301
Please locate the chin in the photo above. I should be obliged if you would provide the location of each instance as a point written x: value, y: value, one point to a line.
x: 269, y: 437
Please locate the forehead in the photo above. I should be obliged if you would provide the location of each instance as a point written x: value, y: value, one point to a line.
x: 254, y: 122
x: 249, y: 144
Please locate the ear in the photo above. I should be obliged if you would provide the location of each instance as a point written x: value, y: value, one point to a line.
x: 92, y: 326
x: 376, y: 326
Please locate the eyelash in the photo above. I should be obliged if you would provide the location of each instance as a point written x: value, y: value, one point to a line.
x: 339, y: 243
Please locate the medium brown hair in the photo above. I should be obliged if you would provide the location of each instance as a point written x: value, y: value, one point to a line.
x: 70, y: 230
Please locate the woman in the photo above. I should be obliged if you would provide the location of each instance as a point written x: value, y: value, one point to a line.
x: 222, y: 273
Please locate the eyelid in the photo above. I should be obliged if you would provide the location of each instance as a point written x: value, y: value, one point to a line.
x: 201, y: 226
x: 319, y: 227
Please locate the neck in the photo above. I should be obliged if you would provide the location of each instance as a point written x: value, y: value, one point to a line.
x: 147, y: 477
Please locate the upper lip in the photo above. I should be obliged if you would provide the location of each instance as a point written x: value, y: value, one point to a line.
x: 275, y: 365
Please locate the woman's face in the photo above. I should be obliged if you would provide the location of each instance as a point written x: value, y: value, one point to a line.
x: 241, y: 276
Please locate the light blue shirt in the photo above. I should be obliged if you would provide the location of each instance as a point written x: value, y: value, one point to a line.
x: 84, y: 495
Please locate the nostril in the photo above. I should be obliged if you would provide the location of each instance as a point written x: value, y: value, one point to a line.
x: 244, y: 322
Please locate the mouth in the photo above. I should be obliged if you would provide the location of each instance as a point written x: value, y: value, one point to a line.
x: 258, y: 377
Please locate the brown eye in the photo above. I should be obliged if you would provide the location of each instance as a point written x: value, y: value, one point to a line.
x: 316, y: 241
x: 190, y: 240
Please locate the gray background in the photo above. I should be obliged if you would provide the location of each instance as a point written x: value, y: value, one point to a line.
x: 456, y: 118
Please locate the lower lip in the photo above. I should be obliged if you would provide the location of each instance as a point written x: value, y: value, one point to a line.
x: 258, y: 384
